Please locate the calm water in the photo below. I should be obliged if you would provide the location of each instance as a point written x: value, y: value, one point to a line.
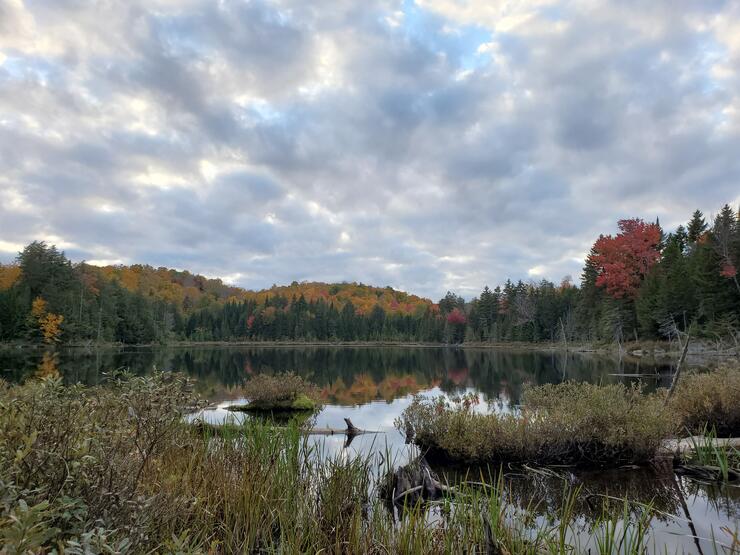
x: 372, y: 386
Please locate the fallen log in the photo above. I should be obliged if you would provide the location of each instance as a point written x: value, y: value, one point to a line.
x: 679, y: 447
x: 350, y: 431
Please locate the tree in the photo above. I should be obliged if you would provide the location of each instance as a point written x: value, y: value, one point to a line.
x: 697, y: 227
x: 49, y: 325
x: 622, y: 262
x: 725, y: 238
x: 456, y: 321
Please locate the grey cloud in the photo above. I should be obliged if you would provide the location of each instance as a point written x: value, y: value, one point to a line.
x: 326, y: 118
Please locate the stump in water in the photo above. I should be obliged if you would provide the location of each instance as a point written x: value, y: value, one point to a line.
x: 412, y: 482
x: 416, y: 482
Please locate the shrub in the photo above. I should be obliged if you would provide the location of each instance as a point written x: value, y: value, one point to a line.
x: 72, y: 457
x: 709, y: 400
x: 568, y: 423
x: 281, y: 391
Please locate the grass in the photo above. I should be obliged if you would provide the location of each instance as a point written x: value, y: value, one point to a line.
x: 578, y: 424
x: 710, y: 400
x: 712, y: 462
x: 115, y: 469
x: 280, y: 392
x: 570, y: 423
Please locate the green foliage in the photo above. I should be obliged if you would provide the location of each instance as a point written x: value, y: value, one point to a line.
x: 73, y: 457
x: 115, y: 469
x: 281, y: 391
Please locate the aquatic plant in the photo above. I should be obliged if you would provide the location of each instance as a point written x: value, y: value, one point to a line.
x: 706, y: 400
x: 568, y: 423
x: 285, y: 391
x: 116, y: 469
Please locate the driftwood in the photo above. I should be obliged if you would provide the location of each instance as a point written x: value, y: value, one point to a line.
x: 708, y: 472
x: 679, y: 447
x: 351, y: 431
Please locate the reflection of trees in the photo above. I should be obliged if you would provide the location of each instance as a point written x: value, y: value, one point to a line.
x: 723, y: 498
x: 543, y: 493
x: 364, y: 389
x: 361, y: 373
x: 48, y: 367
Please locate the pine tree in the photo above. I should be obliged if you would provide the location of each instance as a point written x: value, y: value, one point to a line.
x: 697, y: 227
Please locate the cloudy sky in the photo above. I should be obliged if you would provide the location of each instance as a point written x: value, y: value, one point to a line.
x: 427, y: 145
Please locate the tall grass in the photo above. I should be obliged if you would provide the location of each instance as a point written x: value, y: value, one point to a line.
x: 115, y: 469
x: 568, y: 423
x: 707, y: 400
x: 713, y: 460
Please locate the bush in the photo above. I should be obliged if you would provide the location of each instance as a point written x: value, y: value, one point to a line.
x: 709, y: 400
x: 281, y: 391
x: 73, y: 457
x: 568, y: 423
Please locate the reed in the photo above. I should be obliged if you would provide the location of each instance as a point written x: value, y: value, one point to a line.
x: 116, y: 469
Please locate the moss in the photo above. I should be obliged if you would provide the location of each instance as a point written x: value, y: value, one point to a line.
x: 302, y: 402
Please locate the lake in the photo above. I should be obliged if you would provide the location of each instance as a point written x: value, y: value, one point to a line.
x: 372, y: 386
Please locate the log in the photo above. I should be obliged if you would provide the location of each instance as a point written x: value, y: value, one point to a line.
x: 350, y: 431
x: 678, y: 447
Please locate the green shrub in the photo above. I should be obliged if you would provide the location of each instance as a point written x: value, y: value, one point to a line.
x: 72, y: 457
x: 709, y: 400
x: 568, y: 423
x: 286, y: 391
x: 115, y: 469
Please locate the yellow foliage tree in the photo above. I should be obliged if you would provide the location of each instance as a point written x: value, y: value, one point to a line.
x: 38, y: 308
x: 8, y: 276
x: 51, y: 327
x: 49, y: 324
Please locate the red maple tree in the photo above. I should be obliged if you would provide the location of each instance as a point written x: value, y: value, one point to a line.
x: 623, y: 261
x: 456, y: 317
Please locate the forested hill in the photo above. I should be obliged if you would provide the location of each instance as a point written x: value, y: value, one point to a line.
x: 641, y: 283
x: 191, y: 291
x: 139, y: 303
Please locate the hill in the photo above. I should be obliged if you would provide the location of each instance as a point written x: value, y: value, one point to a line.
x: 190, y: 291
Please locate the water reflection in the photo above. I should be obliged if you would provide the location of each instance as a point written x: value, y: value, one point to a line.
x: 348, y: 375
x: 372, y: 386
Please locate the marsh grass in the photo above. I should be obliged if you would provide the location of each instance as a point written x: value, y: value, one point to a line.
x: 722, y: 461
x: 282, y: 392
x: 709, y: 400
x: 569, y: 423
x: 116, y: 469
x: 577, y: 424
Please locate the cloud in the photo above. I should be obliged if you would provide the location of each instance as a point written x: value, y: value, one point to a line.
x: 428, y: 145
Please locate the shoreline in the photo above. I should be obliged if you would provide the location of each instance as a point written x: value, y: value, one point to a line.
x: 646, y: 349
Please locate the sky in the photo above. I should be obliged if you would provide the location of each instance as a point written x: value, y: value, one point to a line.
x: 429, y: 145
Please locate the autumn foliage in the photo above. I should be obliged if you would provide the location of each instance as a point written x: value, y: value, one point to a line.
x: 623, y: 261
x: 50, y: 325
x: 9, y: 274
x: 456, y: 317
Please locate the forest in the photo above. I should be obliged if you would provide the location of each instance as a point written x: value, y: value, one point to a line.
x: 641, y: 283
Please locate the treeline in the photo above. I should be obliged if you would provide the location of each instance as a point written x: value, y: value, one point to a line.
x: 638, y: 284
